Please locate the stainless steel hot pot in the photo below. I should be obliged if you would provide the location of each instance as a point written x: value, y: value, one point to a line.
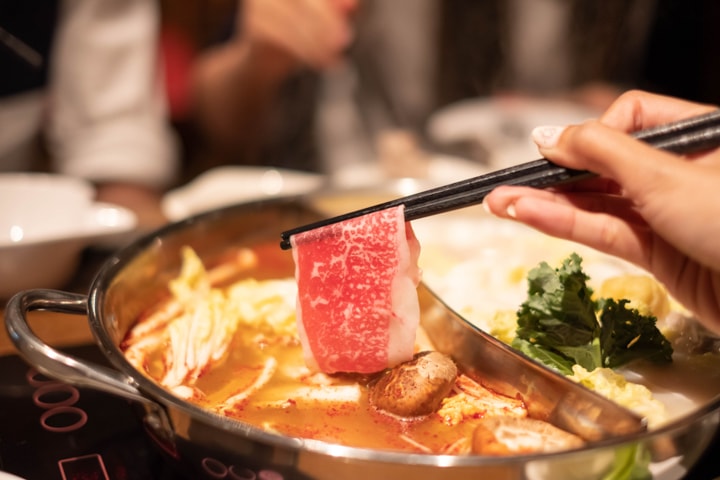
x: 206, y: 445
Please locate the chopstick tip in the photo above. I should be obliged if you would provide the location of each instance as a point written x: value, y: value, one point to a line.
x: 285, y: 242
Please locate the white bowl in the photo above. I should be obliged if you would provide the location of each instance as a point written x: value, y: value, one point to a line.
x: 502, y: 125
x: 223, y: 186
x: 45, y: 222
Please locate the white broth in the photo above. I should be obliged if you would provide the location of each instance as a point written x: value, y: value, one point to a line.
x: 478, y: 265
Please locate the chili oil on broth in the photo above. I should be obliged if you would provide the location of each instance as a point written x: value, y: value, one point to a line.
x: 293, y: 401
x: 282, y: 405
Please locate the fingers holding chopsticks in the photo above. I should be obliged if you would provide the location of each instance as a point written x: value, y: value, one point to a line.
x: 657, y: 209
x: 608, y: 223
x: 637, y: 110
x: 660, y: 187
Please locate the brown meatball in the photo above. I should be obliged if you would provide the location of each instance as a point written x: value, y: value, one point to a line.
x: 416, y: 387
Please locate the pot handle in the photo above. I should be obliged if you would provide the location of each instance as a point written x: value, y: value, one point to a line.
x: 54, y: 363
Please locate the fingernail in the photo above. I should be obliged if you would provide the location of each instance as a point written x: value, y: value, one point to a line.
x: 486, y: 207
x: 546, y: 136
x: 509, y: 210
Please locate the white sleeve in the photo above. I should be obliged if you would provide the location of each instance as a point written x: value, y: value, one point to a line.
x: 107, y: 115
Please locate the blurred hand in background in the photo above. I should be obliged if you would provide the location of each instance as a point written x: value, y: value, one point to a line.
x: 243, y: 90
x: 314, y: 33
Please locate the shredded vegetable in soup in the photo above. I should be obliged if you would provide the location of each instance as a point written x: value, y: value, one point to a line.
x: 234, y: 349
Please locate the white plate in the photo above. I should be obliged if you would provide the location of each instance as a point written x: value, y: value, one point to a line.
x: 502, y: 125
x: 44, y: 208
x: 45, y: 222
x: 228, y: 185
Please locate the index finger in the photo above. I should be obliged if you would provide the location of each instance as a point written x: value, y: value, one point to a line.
x: 637, y: 110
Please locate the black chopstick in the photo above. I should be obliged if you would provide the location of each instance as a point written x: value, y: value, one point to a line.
x: 21, y: 49
x: 685, y: 136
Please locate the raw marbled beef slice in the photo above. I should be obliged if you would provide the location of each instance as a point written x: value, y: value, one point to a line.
x: 357, y: 304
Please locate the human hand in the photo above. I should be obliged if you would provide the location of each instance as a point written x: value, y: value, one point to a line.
x: 313, y: 32
x: 653, y: 208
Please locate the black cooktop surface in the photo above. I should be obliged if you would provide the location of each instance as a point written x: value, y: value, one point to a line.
x: 50, y: 430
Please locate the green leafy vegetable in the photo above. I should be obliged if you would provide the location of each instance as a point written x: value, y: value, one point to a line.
x: 559, y: 327
x: 543, y: 355
x: 631, y: 463
x: 627, y: 335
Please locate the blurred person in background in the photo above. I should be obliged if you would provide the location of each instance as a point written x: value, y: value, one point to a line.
x: 293, y: 84
x: 253, y: 81
x: 80, y: 95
